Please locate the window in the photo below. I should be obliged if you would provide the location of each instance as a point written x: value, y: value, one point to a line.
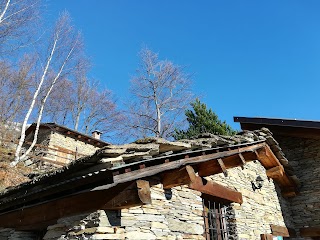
x: 215, y: 220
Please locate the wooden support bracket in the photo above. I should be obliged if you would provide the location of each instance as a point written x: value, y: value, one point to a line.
x: 275, y: 172
x: 282, y: 231
x: 243, y: 160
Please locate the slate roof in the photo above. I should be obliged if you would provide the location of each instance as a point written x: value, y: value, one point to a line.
x: 144, y: 151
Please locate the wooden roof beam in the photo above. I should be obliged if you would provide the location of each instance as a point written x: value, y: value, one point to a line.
x: 310, y: 232
x: 188, y: 176
x: 213, y: 189
x: 137, y: 194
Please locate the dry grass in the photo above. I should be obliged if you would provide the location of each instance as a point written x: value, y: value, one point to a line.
x: 11, y: 176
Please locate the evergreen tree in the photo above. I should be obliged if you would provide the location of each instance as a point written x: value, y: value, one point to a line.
x: 202, y: 120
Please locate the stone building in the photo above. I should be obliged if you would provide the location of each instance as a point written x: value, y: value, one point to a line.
x: 300, y: 142
x: 211, y: 187
x: 57, y: 144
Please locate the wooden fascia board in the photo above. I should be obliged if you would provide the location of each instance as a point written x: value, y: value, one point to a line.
x: 122, y: 196
x: 78, y: 181
x: 261, y: 152
x: 310, y: 232
x: 174, y: 165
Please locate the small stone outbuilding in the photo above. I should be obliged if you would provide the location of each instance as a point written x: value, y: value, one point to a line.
x: 59, y: 145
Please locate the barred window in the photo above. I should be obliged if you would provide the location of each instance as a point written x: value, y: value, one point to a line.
x: 215, y: 220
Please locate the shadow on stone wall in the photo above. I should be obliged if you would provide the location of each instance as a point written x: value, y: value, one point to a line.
x: 232, y: 227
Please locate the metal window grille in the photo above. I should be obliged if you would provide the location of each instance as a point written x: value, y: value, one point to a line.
x: 215, y: 219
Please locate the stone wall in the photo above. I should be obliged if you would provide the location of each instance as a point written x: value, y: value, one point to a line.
x: 52, y: 139
x: 179, y: 214
x: 66, y: 142
x: 261, y: 207
x: 304, y: 157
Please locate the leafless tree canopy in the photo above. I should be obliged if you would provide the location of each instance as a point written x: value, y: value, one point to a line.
x: 84, y: 105
x: 160, y: 94
x: 17, y: 18
x: 64, y: 46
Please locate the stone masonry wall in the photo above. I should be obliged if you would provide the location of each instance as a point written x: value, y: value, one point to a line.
x: 179, y: 214
x: 261, y: 207
x: 304, y: 157
x: 66, y: 142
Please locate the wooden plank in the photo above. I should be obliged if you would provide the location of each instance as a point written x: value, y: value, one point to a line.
x: 266, y: 237
x: 275, y: 172
x: 223, y: 167
x: 282, y: 231
x: 175, y: 178
x: 211, y: 188
x: 122, y: 196
x: 310, y: 232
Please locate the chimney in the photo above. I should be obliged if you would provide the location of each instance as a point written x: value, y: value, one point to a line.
x: 96, y: 134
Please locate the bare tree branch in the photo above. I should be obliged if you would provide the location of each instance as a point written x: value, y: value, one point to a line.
x: 161, y: 92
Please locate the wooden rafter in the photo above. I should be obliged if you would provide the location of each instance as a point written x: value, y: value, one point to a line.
x: 223, y: 167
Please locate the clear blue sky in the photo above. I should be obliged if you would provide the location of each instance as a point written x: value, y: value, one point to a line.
x: 249, y: 58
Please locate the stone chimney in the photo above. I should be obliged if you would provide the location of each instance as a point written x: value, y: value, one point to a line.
x: 96, y: 134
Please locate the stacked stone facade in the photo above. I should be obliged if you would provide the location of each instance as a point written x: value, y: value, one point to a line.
x: 72, y: 144
x: 67, y: 148
x: 179, y: 214
x: 304, y: 157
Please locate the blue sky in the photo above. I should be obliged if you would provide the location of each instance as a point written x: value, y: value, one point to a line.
x: 248, y: 58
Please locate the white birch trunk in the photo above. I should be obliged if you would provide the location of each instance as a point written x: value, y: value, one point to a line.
x: 25, y: 121
x: 4, y: 11
x: 17, y: 155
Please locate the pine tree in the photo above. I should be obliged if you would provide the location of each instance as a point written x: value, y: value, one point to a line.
x: 202, y: 120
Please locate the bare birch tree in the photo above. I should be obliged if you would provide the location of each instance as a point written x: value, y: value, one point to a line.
x: 161, y: 93
x: 15, y: 89
x: 84, y: 105
x: 64, y: 45
x: 17, y: 18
